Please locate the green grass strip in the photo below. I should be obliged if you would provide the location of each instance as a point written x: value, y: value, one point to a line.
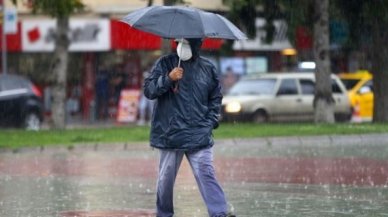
x: 20, y: 138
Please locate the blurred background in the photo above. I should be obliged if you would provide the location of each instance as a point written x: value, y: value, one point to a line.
x: 107, y: 60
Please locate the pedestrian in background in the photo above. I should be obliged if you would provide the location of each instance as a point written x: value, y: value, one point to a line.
x: 188, y: 101
x: 228, y: 80
x: 102, y: 93
x: 146, y: 105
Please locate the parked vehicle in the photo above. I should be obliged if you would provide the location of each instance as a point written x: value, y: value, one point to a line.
x: 280, y: 97
x: 360, y: 91
x: 20, y: 103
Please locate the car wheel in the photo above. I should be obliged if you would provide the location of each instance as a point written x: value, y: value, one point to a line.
x: 260, y: 117
x: 32, y: 122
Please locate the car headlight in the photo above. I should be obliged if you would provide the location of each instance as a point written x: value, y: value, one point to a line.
x: 233, y: 107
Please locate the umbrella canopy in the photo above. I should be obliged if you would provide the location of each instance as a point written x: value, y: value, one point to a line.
x: 182, y: 22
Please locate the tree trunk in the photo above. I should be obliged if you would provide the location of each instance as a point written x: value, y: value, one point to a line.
x: 380, y: 72
x: 59, y: 70
x: 323, y: 99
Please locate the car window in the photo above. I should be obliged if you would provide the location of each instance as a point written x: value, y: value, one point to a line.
x: 307, y: 86
x: 349, y: 83
x: 335, y: 87
x: 250, y: 87
x: 12, y: 83
x: 369, y: 84
x: 288, y: 87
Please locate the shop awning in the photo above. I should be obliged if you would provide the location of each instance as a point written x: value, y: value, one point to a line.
x: 127, y: 38
x: 122, y: 37
x: 208, y: 44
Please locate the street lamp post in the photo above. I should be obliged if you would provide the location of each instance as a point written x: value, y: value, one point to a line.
x: 3, y: 39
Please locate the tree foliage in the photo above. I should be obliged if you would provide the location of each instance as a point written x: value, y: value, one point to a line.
x: 298, y: 13
x: 57, y: 8
x: 367, y: 22
x: 242, y: 12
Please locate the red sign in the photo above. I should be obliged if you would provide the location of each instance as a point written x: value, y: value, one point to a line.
x: 14, y: 41
x: 86, y: 35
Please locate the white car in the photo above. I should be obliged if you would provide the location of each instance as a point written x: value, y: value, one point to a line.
x: 280, y: 97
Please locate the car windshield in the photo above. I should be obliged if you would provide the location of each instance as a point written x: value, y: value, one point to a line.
x: 350, y: 83
x: 253, y: 87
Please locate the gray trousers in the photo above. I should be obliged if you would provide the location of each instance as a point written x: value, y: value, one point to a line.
x: 201, y: 163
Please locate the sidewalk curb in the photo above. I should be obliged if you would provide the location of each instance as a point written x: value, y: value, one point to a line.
x: 330, y: 140
x: 359, y: 139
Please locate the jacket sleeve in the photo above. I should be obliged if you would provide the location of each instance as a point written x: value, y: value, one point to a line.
x: 215, y: 99
x: 158, y: 82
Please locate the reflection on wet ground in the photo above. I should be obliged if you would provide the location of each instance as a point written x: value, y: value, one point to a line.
x: 259, y: 180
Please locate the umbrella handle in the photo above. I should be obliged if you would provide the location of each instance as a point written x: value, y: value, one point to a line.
x: 175, y: 88
x: 179, y: 62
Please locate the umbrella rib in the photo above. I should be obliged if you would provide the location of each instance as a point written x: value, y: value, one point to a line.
x: 203, y: 26
x: 173, y: 19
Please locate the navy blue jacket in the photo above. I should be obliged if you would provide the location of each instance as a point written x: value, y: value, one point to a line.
x: 184, y: 120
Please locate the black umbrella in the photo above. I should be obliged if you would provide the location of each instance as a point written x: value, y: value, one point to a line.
x: 182, y: 22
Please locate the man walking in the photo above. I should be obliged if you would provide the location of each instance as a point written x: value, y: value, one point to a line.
x: 188, y: 102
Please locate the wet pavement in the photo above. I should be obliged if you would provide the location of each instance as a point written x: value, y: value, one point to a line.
x: 315, y: 176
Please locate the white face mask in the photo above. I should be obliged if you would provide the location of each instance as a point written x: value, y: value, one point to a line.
x: 184, y: 51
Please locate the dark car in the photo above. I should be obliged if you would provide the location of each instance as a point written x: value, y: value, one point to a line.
x: 20, y: 103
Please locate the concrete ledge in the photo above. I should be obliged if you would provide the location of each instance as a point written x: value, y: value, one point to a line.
x: 377, y: 139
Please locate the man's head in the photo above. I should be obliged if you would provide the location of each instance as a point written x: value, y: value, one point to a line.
x: 189, y: 48
x: 195, y: 44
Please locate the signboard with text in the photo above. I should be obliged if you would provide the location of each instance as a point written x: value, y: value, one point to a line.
x: 11, y: 21
x: 85, y: 35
